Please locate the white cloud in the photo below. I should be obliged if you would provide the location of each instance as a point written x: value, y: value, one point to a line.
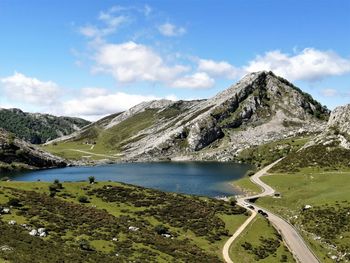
x: 171, y: 30
x: 110, y: 23
x: 329, y: 92
x: 89, y: 31
x: 310, y: 64
x: 95, y: 106
x: 130, y: 62
x: 219, y: 68
x: 199, y: 80
x: 21, y: 88
x: 92, y: 92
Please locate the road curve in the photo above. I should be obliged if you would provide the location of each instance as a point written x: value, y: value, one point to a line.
x: 291, y: 237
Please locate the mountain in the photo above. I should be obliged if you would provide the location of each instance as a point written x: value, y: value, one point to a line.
x: 330, y: 149
x: 260, y: 108
x: 38, y: 128
x: 18, y: 154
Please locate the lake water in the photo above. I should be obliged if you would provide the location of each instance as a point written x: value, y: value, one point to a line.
x: 199, y: 178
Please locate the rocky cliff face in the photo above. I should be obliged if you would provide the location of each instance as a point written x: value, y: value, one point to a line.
x: 340, y: 119
x: 38, y: 128
x: 262, y: 107
x: 16, y: 153
x: 337, y: 131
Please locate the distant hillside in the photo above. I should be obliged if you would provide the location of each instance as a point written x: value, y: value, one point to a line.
x: 329, y: 150
x: 260, y: 108
x: 18, y: 154
x: 38, y: 128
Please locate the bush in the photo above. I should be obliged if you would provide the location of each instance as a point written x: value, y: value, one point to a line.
x: 57, y: 183
x: 91, y: 179
x: 83, y: 199
x: 14, y: 202
x: 85, y: 245
x: 161, y: 229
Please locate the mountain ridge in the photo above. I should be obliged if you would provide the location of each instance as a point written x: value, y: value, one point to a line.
x: 36, y: 127
x: 259, y: 108
x: 17, y: 154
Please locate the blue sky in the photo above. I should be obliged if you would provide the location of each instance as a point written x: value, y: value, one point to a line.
x: 92, y: 58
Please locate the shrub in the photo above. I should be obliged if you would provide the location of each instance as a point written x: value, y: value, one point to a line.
x: 161, y: 229
x: 57, y: 184
x: 85, y: 245
x: 91, y: 179
x: 14, y: 202
x: 83, y: 199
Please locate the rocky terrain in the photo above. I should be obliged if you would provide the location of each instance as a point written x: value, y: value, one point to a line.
x: 18, y: 154
x: 260, y: 108
x: 337, y: 132
x: 329, y: 149
x: 38, y: 128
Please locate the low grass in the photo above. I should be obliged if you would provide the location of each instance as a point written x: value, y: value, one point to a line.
x: 97, y: 143
x: 244, y: 184
x: 326, y: 224
x: 199, y: 226
x: 259, y: 228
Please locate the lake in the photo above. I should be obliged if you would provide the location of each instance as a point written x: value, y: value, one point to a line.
x: 198, y: 178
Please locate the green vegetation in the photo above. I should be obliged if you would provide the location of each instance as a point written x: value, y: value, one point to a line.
x: 329, y: 157
x: 120, y: 223
x: 95, y: 143
x: 244, y: 184
x: 260, y: 242
x: 37, y: 128
x: 267, y: 153
x: 327, y: 223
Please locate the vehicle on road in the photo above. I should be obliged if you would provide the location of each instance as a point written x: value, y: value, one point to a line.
x: 251, y: 207
x: 263, y: 213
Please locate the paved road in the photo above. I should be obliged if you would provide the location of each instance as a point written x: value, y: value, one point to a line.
x: 291, y: 237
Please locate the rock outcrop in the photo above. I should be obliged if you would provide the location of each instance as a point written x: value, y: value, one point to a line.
x: 18, y: 154
x: 337, y: 131
x: 340, y: 119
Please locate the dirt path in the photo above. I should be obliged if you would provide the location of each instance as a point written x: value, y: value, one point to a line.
x: 292, y: 238
x: 96, y: 154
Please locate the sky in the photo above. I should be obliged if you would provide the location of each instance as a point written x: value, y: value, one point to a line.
x: 93, y: 58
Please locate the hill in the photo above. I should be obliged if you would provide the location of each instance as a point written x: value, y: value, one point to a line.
x: 38, y: 128
x: 260, y: 108
x: 18, y: 154
x: 111, y: 222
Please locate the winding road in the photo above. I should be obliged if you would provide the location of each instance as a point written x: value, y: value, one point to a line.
x: 295, y: 243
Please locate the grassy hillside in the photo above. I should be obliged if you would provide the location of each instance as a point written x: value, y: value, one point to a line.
x: 327, y: 224
x: 98, y: 143
x: 38, y: 128
x: 328, y: 157
x: 265, y: 154
x: 94, y: 223
x: 260, y: 242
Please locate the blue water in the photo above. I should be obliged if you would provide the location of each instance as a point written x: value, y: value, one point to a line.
x: 199, y: 178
